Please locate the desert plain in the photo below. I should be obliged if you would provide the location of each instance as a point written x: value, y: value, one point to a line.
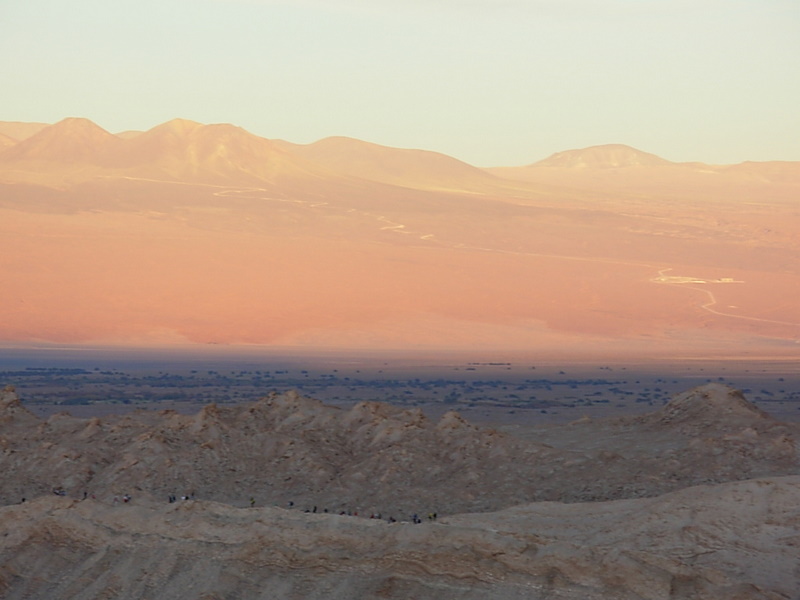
x: 592, y: 439
x: 207, y: 234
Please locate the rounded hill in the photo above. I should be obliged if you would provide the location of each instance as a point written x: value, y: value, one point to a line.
x: 606, y: 156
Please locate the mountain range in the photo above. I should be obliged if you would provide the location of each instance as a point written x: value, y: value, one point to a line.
x: 210, y: 234
x: 187, y: 151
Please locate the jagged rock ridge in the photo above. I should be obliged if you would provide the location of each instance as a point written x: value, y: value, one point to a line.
x: 712, y: 406
x: 378, y: 458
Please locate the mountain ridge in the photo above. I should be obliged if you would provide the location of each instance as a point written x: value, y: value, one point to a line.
x: 379, y: 458
x: 187, y: 150
x: 70, y: 141
x: 397, y: 166
x: 178, y: 150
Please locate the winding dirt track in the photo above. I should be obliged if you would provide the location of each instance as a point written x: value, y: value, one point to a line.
x: 387, y: 224
x: 712, y: 301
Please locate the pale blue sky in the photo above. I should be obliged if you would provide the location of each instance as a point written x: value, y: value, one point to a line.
x: 491, y: 82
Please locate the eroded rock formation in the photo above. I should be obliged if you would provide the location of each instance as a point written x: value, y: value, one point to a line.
x: 513, y: 517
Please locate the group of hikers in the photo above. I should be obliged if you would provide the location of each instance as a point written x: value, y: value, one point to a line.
x: 60, y: 491
x: 415, y: 518
x: 171, y: 498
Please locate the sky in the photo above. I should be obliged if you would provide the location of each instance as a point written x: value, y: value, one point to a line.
x: 491, y: 82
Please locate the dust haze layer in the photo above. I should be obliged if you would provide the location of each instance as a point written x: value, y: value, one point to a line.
x: 197, y: 234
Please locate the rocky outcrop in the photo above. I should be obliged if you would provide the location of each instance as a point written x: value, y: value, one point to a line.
x: 284, y: 448
x: 710, y: 407
x: 376, y: 458
x: 11, y: 409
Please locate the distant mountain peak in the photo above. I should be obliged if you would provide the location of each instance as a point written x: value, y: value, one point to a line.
x: 76, y: 123
x: 191, y: 131
x: 185, y: 150
x: 605, y: 156
x: 180, y: 124
x: 177, y: 150
x: 71, y: 140
x: 176, y: 127
x: 75, y: 126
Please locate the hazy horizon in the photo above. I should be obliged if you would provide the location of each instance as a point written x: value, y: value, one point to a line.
x: 488, y: 83
x: 207, y: 234
x: 27, y: 129
x: 353, y: 174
